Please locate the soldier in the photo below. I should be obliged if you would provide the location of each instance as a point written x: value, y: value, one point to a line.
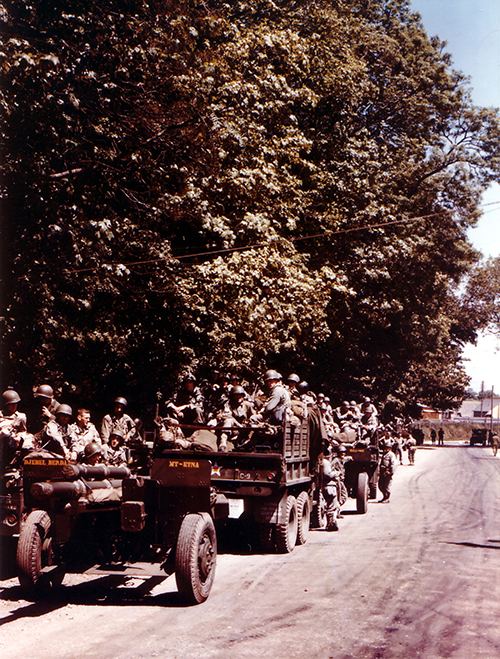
x: 368, y: 406
x: 92, y: 453
x: 236, y: 413
x: 45, y: 406
x: 56, y: 437
x: 118, y: 420
x: 386, y: 471
x: 83, y: 432
x: 494, y: 441
x: 188, y: 403
x: 115, y: 452
x: 345, y: 415
x: 306, y: 395
x: 338, y: 452
x: 292, y: 384
x: 433, y: 436
x: 440, y: 437
x: 170, y: 434
x: 411, y: 447
x: 13, y: 433
x: 11, y: 420
x: 355, y: 409
x: 330, y: 477
x: 277, y: 403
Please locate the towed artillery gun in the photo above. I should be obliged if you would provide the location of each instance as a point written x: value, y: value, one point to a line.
x: 362, y: 470
x: 103, y: 520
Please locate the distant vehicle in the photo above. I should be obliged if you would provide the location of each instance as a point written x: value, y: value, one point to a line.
x: 478, y: 436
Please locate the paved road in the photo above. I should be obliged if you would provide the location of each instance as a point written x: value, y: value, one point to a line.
x: 419, y: 577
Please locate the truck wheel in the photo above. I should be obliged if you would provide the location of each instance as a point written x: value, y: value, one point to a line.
x: 362, y: 493
x: 286, y: 532
x: 318, y: 514
x: 303, y: 517
x: 35, y: 551
x: 195, y: 557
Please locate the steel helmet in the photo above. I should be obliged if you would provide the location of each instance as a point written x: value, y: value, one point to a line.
x: 117, y: 433
x: 345, y: 403
x: 304, y: 386
x: 10, y: 397
x: 353, y: 403
x: 44, y: 391
x: 321, y: 396
x: 237, y: 390
x: 272, y: 375
x: 64, y: 409
x: 120, y: 401
x: 293, y: 377
x: 189, y: 378
x: 92, y: 449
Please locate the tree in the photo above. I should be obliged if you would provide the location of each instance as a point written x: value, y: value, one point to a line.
x: 482, y: 295
x: 139, y: 135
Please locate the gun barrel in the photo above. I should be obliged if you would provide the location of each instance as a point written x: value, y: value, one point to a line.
x: 101, y: 471
x: 71, y: 489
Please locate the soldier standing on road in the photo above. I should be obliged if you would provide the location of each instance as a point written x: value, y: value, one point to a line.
x: 330, y: 477
x: 433, y: 436
x: 118, y: 420
x: 495, y: 440
x: 411, y: 447
x: 440, y: 437
x: 387, y: 469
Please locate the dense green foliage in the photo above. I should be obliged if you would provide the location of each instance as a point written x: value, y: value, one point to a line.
x: 137, y: 131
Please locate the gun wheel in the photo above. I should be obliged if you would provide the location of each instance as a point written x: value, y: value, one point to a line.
x: 35, y: 552
x: 195, y: 557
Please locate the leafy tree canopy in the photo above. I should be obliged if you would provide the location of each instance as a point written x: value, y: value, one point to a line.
x: 136, y: 132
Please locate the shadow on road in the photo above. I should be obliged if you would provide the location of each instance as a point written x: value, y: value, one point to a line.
x: 100, y: 592
x: 475, y: 544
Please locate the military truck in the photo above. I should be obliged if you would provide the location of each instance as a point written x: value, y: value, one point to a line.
x: 478, y: 436
x: 104, y: 520
x: 269, y: 484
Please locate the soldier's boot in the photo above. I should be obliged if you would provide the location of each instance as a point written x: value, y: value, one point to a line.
x: 331, y: 522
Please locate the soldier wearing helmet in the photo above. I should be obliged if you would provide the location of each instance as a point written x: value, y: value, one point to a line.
x: 367, y: 407
x: 118, y: 420
x: 92, y: 453
x: 43, y: 409
x: 56, y: 436
x: 292, y: 384
x: 115, y: 451
x: 277, y: 403
x: 386, y: 470
x: 188, y: 404
x: 11, y: 420
x: 236, y: 413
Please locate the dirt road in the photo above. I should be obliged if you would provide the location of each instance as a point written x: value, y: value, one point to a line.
x: 417, y: 577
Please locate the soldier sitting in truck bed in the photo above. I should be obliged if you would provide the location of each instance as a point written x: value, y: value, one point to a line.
x: 277, y: 402
x: 235, y: 414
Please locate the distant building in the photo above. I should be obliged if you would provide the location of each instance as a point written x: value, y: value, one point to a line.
x: 471, y: 408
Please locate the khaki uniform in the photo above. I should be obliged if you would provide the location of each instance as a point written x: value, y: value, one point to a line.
x: 56, y: 439
x: 80, y: 437
x: 386, y: 473
x: 124, y: 424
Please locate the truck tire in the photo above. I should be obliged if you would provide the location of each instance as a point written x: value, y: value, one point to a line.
x: 318, y: 513
x: 34, y: 552
x: 286, y: 531
x: 303, y: 517
x: 362, y: 493
x: 195, y: 557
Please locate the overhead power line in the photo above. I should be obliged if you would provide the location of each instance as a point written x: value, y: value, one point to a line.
x: 229, y: 250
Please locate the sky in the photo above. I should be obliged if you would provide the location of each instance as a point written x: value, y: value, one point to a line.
x: 471, y: 29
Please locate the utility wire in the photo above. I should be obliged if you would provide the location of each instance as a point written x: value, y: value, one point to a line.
x: 230, y: 250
